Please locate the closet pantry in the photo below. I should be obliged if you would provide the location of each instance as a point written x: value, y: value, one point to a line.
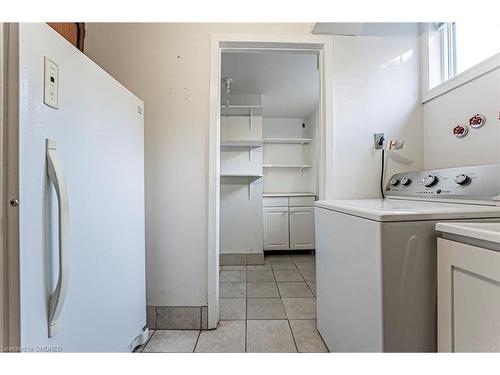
x: 268, y: 155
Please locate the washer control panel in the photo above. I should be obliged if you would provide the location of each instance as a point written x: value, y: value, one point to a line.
x: 477, y: 183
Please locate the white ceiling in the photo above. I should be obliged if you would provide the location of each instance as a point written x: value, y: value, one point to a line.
x: 288, y: 82
x: 365, y: 28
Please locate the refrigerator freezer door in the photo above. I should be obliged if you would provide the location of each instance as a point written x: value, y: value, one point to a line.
x: 98, y: 128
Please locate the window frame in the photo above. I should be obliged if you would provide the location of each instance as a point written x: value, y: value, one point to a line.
x: 454, y: 81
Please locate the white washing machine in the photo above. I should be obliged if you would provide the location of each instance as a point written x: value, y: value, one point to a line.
x: 376, y: 258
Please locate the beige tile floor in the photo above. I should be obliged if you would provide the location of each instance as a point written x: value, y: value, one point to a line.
x: 269, y: 308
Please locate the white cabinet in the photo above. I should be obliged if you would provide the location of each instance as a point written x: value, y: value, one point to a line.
x: 288, y: 223
x: 276, y: 234
x: 301, y: 228
x: 468, y: 298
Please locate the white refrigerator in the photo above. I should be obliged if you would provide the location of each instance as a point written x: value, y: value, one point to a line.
x: 81, y: 222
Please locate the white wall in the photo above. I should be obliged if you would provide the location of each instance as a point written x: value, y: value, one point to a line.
x: 278, y: 127
x: 167, y: 66
x: 376, y: 89
x: 481, y: 146
x: 241, y: 215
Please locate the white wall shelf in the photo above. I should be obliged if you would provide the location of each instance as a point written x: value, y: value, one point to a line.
x: 241, y: 110
x: 301, y: 166
x: 241, y: 182
x: 306, y: 194
x: 288, y: 140
x: 241, y: 143
x: 241, y: 174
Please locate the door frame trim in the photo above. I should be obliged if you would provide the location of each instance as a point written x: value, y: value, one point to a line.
x: 10, y: 276
x: 323, y: 45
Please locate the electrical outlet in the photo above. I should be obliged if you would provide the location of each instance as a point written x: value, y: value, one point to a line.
x: 398, y: 144
x: 394, y: 144
x: 378, y: 139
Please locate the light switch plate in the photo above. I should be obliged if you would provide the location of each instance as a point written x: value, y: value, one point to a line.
x: 51, y: 83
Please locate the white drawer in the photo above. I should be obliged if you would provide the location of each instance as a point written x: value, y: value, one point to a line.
x: 275, y: 201
x: 301, y: 201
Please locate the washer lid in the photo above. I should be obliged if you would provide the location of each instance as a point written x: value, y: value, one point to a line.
x: 405, y: 210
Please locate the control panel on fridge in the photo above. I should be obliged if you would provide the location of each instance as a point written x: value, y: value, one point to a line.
x: 51, y: 83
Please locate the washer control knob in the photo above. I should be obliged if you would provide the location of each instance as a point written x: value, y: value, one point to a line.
x: 430, y: 180
x: 394, y: 181
x: 406, y: 181
x: 462, y: 179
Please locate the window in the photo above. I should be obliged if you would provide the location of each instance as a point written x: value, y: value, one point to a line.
x: 456, y: 47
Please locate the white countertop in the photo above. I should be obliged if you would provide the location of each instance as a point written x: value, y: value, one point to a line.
x: 482, y: 231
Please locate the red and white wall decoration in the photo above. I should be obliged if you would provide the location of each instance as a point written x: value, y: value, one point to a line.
x: 475, y: 122
x: 460, y: 131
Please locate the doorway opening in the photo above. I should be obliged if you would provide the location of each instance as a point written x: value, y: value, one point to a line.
x: 270, y: 142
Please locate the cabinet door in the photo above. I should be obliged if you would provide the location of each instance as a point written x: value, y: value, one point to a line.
x: 73, y: 32
x: 301, y: 228
x: 468, y: 298
x: 276, y: 235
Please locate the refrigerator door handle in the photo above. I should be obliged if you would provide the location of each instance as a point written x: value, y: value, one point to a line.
x: 56, y: 176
